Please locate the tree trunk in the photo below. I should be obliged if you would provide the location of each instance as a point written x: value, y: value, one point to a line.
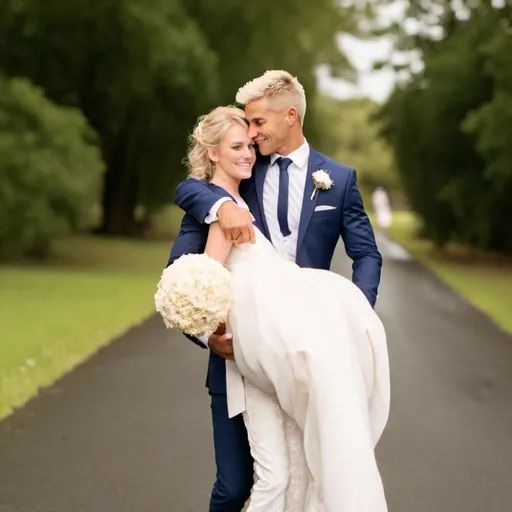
x: 119, y: 192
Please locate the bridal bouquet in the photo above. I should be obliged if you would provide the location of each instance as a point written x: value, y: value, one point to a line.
x: 194, y: 295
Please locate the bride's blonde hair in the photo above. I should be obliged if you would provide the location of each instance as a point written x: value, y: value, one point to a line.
x: 208, y: 133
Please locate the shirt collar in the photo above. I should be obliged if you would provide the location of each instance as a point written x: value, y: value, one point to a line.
x: 299, y: 157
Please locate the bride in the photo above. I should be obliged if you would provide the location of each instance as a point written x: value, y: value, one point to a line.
x: 311, y: 350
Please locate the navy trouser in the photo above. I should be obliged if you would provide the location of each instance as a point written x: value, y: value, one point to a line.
x: 233, y: 458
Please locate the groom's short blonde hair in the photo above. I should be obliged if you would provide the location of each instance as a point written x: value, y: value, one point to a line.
x: 275, y: 85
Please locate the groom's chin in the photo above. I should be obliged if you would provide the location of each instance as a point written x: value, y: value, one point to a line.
x: 262, y: 151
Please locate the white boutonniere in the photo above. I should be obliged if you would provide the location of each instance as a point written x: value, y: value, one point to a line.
x: 322, y: 181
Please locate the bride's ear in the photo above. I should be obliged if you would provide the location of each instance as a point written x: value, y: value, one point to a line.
x: 212, y: 155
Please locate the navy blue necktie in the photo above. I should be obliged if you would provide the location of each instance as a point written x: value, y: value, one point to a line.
x: 282, y: 199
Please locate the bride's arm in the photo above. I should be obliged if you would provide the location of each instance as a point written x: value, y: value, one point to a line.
x: 217, y: 247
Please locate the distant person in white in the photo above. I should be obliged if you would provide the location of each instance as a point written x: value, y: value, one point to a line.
x: 382, y: 208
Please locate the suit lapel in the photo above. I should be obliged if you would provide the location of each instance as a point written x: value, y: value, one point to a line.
x: 260, y: 171
x: 308, y: 204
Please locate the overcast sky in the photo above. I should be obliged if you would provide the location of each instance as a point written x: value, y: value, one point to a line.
x: 375, y: 84
x: 378, y: 84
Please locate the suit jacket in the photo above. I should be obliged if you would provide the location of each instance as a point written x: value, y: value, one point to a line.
x: 319, y: 229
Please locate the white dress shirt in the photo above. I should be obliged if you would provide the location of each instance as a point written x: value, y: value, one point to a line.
x: 286, y: 246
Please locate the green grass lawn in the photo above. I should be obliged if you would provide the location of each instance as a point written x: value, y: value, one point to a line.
x: 53, y: 316
x: 483, y: 279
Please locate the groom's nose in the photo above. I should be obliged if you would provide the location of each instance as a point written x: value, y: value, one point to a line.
x: 253, y: 132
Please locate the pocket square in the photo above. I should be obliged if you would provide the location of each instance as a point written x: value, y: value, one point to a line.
x: 324, y: 207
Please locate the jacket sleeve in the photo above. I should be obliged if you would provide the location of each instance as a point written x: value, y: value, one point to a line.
x: 359, y: 240
x: 197, y: 199
x: 190, y: 240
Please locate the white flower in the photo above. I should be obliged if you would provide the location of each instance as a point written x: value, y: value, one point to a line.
x: 322, y: 181
x: 194, y: 295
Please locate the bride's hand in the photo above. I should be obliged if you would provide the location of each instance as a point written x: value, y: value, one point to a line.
x: 236, y: 223
x: 221, y: 343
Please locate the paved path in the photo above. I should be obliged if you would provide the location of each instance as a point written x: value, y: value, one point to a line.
x: 129, y: 431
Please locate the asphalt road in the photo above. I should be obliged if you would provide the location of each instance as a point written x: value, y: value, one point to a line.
x: 129, y: 430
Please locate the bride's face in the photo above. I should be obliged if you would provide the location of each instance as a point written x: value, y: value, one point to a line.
x: 235, y: 154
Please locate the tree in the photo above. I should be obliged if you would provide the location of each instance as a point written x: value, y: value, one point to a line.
x: 290, y: 35
x: 352, y: 137
x: 449, y: 127
x: 50, y: 170
x: 140, y: 71
x: 143, y: 70
x: 491, y: 126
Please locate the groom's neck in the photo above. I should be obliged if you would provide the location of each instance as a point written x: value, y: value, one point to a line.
x: 291, y: 144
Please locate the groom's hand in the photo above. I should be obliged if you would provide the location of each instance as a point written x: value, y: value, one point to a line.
x: 236, y: 223
x: 221, y: 343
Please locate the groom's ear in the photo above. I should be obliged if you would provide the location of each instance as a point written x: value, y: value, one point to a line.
x: 292, y: 116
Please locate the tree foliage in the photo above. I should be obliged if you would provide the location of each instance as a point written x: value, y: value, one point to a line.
x: 450, y: 127
x: 50, y: 170
x: 139, y: 70
x: 353, y: 138
x: 291, y: 35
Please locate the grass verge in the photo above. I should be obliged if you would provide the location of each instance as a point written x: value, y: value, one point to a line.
x: 53, y: 316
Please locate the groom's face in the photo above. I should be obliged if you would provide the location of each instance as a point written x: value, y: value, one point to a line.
x: 268, y: 125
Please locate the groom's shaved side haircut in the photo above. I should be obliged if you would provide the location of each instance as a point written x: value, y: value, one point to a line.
x: 280, y: 87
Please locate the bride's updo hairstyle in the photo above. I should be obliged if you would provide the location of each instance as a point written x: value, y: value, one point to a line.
x: 208, y: 133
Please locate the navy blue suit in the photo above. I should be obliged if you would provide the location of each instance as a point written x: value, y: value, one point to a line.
x: 319, y: 232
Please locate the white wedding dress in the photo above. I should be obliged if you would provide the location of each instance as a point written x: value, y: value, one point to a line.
x: 311, y: 339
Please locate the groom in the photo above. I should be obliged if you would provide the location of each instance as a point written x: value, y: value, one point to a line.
x: 303, y: 213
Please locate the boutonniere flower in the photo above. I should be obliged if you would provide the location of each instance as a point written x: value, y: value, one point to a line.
x: 322, y: 181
